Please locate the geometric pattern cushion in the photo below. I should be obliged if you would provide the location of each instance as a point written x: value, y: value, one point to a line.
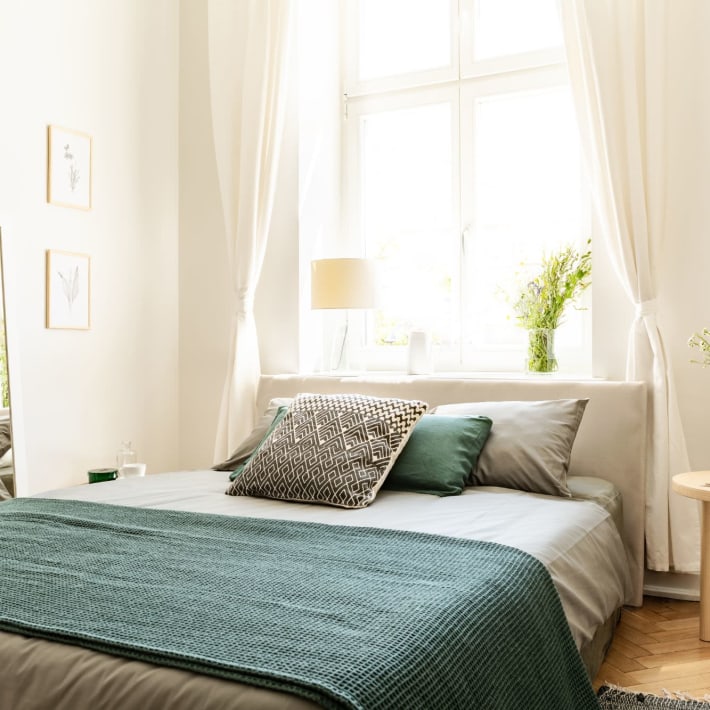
x: 334, y: 449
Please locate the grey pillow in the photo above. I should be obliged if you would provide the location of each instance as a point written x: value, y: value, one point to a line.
x: 280, y: 414
x: 333, y: 449
x: 529, y: 446
x: 249, y: 445
x: 601, y: 492
x: 5, y: 437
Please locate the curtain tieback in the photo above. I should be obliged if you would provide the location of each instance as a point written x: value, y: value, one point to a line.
x: 245, y: 302
x: 647, y: 308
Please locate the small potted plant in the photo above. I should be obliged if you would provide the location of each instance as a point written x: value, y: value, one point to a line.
x: 701, y: 341
x: 541, y: 303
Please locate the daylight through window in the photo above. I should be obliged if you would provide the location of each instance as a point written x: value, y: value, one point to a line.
x: 461, y: 169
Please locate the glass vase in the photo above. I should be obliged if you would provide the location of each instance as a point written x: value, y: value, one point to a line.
x: 541, y: 350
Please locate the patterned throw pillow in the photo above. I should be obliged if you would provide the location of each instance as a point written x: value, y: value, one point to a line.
x: 334, y: 449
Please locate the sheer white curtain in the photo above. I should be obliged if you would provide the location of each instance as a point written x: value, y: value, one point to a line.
x: 248, y: 61
x: 616, y: 51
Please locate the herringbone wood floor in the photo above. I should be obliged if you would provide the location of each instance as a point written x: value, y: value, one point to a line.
x: 657, y: 647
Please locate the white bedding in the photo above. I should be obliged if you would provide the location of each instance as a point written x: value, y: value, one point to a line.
x: 576, y: 540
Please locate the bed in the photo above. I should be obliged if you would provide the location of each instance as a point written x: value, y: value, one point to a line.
x: 593, y: 556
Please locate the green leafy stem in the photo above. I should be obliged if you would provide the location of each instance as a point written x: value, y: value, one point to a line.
x: 701, y: 341
x: 562, y: 278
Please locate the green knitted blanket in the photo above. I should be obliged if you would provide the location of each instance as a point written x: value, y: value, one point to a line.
x: 347, y: 617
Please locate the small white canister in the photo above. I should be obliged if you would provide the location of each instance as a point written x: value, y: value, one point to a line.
x: 419, y: 354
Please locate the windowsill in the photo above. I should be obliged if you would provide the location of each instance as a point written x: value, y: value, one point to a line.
x: 398, y: 375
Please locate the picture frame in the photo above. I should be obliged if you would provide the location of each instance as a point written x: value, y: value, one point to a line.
x: 69, y: 168
x: 68, y: 290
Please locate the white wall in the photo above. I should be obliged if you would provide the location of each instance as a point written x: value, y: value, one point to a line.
x: 684, y: 287
x: 205, y: 293
x: 109, y: 68
x: 112, y: 68
x: 686, y: 255
x: 687, y: 249
x: 320, y: 116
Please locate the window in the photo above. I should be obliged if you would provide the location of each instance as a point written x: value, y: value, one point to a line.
x: 461, y: 167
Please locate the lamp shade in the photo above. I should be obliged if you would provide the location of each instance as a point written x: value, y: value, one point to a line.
x: 343, y: 283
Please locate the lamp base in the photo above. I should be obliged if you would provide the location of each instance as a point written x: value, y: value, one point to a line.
x: 345, y: 357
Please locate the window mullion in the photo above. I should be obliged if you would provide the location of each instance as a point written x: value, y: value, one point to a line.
x: 402, y: 199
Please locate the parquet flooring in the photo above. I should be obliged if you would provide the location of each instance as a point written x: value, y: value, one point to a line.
x: 657, y: 647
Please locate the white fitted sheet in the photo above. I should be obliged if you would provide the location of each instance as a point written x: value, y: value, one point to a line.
x: 576, y: 540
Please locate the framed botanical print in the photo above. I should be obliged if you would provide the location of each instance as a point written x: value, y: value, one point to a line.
x: 68, y: 168
x: 68, y: 290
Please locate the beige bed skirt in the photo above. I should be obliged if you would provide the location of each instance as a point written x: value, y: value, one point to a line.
x: 45, y: 675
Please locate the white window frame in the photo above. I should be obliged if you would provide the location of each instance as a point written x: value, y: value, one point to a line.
x: 354, y: 87
x: 390, y: 357
x: 461, y: 83
x: 352, y: 164
x: 497, y: 65
x: 507, y: 358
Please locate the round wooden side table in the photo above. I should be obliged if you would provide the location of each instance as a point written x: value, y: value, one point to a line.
x: 696, y: 484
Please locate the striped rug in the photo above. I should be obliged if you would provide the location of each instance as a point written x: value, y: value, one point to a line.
x: 613, y: 698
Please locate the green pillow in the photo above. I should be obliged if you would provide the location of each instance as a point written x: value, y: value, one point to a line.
x: 440, y: 455
x: 280, y: 414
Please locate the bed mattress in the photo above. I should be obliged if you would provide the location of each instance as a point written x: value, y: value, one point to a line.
x: 577, y: 541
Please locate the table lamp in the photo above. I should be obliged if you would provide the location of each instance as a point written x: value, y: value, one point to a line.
x: 344, y: 284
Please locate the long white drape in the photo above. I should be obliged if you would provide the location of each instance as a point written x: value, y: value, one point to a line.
x: 616, y: 51
x: 248, y: 61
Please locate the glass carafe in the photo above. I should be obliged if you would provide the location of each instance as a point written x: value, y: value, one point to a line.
x: 125, y: 459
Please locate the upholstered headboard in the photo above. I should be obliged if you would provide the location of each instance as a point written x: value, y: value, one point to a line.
x: 610, y: 443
